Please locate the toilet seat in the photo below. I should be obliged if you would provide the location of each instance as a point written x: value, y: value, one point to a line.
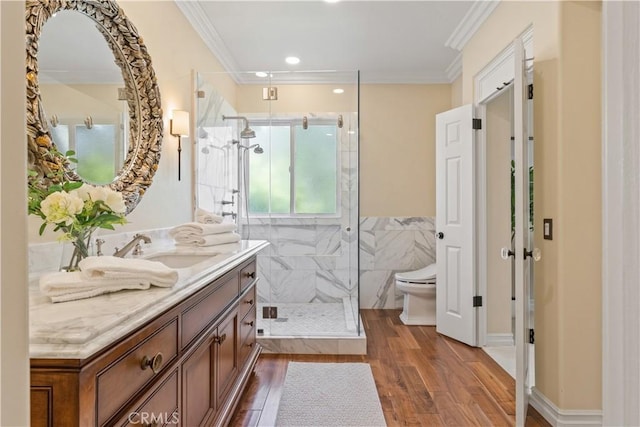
x: 423, y: 275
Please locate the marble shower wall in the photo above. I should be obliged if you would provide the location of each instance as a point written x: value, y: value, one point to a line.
x: 389, y: 245
x: 312, y: 259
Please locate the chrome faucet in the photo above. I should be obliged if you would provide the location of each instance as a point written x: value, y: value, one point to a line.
x: 135, y: 242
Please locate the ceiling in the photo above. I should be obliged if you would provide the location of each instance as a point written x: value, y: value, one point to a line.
x: 388, y: 41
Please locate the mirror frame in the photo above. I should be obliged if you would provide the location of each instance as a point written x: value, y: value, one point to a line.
x: 143, y: 98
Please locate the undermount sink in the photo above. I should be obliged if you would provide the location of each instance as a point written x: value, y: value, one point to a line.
x: 179, y: 260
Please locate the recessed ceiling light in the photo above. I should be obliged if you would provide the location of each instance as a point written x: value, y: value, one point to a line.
x: 292, y: 60
x: 261, y: 74
x: 338, y: 90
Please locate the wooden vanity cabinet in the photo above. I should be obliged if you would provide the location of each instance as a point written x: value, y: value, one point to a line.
x: 186, y: 367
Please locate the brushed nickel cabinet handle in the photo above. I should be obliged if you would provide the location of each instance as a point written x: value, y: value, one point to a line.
x: 249, y: 323
x: 249, y: 301
x: 220, y: 338
x: 155, y: 363
x: 251, y: 274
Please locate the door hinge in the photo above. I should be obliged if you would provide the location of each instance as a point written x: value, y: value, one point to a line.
x: 477, y: 301
x: 531, y: 336
x: 476, y: 124
x: 530, y: 91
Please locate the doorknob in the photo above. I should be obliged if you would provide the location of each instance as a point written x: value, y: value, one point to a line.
x: 535, y: 254
x: 440, y: 235
x: 505, y: 253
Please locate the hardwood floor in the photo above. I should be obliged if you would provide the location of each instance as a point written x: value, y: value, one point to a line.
x: 423, y: 379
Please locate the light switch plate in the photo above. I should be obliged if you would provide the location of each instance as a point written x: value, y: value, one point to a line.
x: 547, y: 228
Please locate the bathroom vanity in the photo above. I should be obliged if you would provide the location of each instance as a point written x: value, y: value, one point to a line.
x: 178, y: 356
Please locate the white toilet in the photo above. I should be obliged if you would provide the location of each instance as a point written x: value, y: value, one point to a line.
x: 419, y: 289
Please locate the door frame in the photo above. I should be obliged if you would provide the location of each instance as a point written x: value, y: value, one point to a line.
x: 488, y: 84
x: 620, y: 213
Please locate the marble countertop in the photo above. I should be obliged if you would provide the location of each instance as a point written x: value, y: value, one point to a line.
x: 78, y: 329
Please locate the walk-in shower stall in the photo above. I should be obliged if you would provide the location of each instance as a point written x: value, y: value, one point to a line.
x: 278, y: 155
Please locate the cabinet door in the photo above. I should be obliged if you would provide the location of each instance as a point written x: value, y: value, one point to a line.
x: 227, y: 357
x: 198, y: 399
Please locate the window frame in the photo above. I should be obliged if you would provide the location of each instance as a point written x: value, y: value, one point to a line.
x: 292, y: 123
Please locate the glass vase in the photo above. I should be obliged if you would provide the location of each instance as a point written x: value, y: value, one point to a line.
x: 76, y: 250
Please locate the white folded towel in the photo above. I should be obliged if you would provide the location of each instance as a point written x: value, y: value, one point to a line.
x: 101, y: 275
x: 111, y: 267
x: 68, y: 286
x: 188, y: 239
x: 202, y: 229
x: 207, y: 217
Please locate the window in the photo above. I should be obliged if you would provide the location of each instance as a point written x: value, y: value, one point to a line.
x: 298, y: 172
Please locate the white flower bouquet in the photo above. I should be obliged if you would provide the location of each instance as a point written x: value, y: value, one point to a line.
x: 77, y: 209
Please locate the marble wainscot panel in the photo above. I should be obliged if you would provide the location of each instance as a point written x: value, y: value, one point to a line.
x: 389, y: 245
x: 312, y: 259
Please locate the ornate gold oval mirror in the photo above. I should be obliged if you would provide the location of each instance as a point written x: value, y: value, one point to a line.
x: 140, y: 93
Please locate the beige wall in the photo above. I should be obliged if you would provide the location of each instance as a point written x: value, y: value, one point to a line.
x: 176, y: 50
x: 397, y: 137
x: 580, y: 206
x: 302, y: 99
x: 456, y: 92
x: 498, y: 157
x: 397, y: 148
x: 567, y: 187
x: 14, y: 335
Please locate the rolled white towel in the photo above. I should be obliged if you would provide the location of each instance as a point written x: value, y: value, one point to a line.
x: 68, y: 286
x: 202, y: 229
x: 207, y: 217
x: 210, y: 240
x: 116, y: 268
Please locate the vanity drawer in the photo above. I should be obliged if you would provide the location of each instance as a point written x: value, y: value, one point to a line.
x: 126, y: 376
x: 247, y: 335
x: 247, y: 275
x: 197, y: 317
x: 247, y: 302
x: 161, y: 406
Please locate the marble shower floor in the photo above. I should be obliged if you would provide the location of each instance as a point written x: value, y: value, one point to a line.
x: 308, y: 320
x: 312, y: 328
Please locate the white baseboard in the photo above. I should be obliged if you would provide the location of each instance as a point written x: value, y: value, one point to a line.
x: 563, y: 417
x: 499, y: 340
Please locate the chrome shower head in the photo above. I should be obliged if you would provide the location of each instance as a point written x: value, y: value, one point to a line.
x: 257, y: 148
x: 247, y: 132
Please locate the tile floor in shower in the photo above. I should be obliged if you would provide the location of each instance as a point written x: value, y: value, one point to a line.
x: 310, y: 319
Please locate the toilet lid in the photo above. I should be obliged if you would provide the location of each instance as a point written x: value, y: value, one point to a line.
x: 419, y: 276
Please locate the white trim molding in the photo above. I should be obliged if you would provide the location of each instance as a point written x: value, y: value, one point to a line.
x: 620, y: 214
x: 454, y: 70
x: 563, y: 417
x: 197, y: 17
x: 500, y: 340
x: 471, y: 22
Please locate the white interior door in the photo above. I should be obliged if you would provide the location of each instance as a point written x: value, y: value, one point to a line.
x: 522, y: 244
x: 455, y: 245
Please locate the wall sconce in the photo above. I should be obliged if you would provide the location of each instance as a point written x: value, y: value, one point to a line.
x: 179, y: 126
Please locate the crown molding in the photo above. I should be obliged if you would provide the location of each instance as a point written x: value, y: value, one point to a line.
x: 471, y: 22
x: 196, y: 16
x: 454, y: 70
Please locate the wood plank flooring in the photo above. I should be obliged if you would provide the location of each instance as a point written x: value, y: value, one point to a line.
x: 423, y: 379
